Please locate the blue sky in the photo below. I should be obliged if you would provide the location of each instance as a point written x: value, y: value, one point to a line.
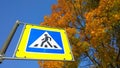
x: 29, y: 11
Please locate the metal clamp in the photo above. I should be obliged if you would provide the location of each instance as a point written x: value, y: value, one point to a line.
x: 1, y: 58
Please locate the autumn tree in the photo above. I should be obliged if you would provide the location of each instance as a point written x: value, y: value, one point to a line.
x: 89, y: 24
x: 102, y: 24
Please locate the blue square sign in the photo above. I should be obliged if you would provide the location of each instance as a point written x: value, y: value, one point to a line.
x: 43, y: 41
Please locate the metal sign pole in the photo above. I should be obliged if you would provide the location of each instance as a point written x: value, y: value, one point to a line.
x: 42, y: 63
x: 6, y: 44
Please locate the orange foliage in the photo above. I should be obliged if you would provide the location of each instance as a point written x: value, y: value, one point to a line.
x: 99, y: 24
x: 102, y: 17
x: 51, y: 64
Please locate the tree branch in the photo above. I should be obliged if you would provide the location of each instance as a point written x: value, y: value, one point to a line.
x: 117, y: 58
x: 93, y: 60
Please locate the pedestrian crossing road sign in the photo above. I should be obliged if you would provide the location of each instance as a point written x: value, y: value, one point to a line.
x: 44, y: 43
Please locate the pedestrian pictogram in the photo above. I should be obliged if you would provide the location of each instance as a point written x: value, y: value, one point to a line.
x: 44, y: 43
